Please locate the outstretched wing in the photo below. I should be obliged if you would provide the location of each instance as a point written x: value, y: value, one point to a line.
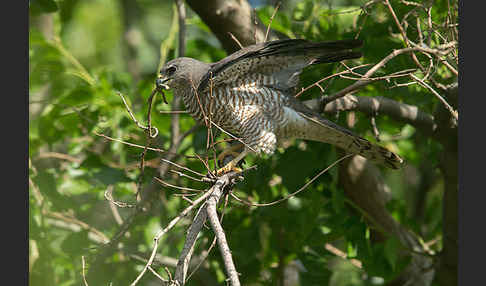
x: 275, y: 64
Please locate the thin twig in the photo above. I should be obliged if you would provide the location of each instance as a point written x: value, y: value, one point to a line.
x: 157, y: 275
x: 133, y: 116
x: 70, y: 219
x: 271, y: 20
x: 83, y: 263
x: 171, y: 224
x: 236, y: 40
x: 204, y: 256
x: 334, y: 250
x: 188, y: 249
x: 175, y: 187
x: 447, y: 105
x: 109, y: 197
x: 59, y: 156
x: 186, y: 176
x: 255, y: 23
x: 296, y: 192
x: 173, y: 112
x: 328, y: 77
x: 376, y: 133
x: 365, y: 80
x: 182, y: 167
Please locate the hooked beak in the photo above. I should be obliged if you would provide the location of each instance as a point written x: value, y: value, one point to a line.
x: 161, y: 81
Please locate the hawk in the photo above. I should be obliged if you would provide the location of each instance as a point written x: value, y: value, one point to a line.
x: 251, y: 95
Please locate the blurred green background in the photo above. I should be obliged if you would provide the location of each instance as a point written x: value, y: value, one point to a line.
x: 81, y: 53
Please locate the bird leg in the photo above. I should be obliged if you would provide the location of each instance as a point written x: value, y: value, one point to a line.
x: 231, y: 166
x: 230, y: 151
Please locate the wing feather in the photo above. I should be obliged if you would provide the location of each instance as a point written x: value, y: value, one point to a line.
x: 278, y: 62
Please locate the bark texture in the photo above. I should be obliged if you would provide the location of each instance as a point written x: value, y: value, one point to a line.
x: 234, y: 16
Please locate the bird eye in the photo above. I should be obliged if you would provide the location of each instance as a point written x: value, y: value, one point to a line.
x: 170, y: 70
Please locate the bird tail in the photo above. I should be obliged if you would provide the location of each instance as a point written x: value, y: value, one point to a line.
x: 329, y: 132
x: 376, y: 153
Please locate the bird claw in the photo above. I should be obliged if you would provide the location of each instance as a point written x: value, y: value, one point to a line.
x: 213, y: 177
x: 228, y: 168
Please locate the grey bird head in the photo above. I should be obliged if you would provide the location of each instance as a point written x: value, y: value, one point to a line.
x: 181, y: 73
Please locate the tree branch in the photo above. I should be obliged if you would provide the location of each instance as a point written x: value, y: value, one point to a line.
x: 186, y: 253
x: 364, y: 186
x: 219, y: 232
x: 223, y: 16
x: 208, y: 209
x: 377, y: 105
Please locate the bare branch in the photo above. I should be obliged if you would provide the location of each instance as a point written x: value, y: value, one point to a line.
x: 181, y: 167
x: 441, y: 99
x: 171, y: 224
x: 296, y: 192
x: 173, y: 112
x: 271, y: 20
x: 236, y: 40
x: 372, y: 105
x: 59, y: 156
x: 83, y: 264
x: 365, y: 80
x: 109, y: 197
x: 187, y: 250
x: 328, y: 77
x: 207, y: 209
x: 145, y: 128
x: 176, y: 187
x: 336, y: 251
x: 219, y: 232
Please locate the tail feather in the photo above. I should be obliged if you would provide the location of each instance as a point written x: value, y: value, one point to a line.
x: 327, y: 131
x: 376, y: 153
x: 352, y: 143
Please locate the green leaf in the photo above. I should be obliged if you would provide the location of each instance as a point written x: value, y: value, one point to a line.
x: 352, y: 251
x: 391, y: 250
x: 338, y: 199
x: 75, y: 243
x: 303, y: 10
x: 42, y: 6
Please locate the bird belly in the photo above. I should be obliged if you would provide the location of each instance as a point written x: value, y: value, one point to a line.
x: 246, y: 111
x: 293, y: 125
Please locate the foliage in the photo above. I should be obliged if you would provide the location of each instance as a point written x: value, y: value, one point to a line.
x: 75, y: 72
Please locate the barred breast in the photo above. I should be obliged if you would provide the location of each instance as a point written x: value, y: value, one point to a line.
x: 246, y: 109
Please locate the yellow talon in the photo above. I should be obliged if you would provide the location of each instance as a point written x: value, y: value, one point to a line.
x: 232, y: 165
x: 228, y: 168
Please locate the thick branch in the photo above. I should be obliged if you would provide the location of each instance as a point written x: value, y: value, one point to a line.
x: 186, y: 254
x: 219, y: 232
x: 378, y: 105
x: 208, y: 210
x: 364, y: 186
x: 447, y: 270
x: 236, y: 16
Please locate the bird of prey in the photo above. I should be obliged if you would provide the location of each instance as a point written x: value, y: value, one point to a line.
x: 251, y: 95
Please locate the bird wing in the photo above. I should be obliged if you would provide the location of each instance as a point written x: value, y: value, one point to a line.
x: 275, y: 64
